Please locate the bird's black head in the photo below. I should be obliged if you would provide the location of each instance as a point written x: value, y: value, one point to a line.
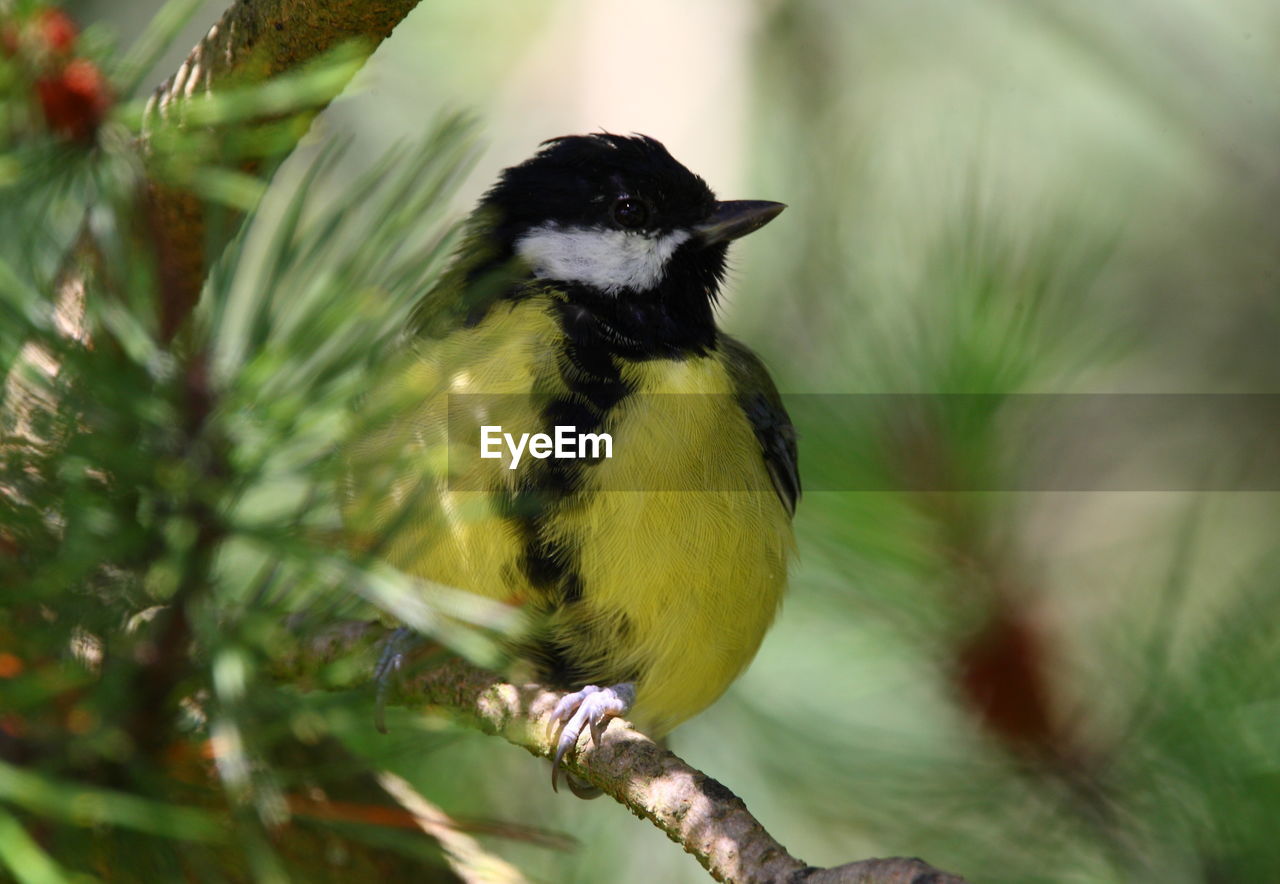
x: 636, y: 240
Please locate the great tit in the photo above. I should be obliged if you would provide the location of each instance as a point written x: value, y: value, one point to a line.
x: 583, y: 295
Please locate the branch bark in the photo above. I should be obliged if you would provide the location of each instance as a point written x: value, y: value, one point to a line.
x: 694, y: 810
x: 254, y: 41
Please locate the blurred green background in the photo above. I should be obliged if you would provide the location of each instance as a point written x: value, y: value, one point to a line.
x: 998, y: 196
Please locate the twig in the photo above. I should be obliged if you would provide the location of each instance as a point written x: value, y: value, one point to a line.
x: 694, y: 810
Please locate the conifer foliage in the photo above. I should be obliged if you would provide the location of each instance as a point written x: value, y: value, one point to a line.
x: 166, y: 494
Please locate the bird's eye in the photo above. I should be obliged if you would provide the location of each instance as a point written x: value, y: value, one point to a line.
x: 629, y: 212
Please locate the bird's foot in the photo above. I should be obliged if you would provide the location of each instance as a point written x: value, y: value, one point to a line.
x: 590, y: 707
x: 396, y: 648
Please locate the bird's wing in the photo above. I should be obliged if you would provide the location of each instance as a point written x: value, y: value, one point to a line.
x: 759, y: 400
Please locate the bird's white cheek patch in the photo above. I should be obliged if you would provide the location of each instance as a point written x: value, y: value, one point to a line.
x: 610, y: 260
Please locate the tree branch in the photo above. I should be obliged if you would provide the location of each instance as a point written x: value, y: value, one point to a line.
x: 694, y: 810
x: 254, y: 41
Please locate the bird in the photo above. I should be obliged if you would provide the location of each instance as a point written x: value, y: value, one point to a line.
x: 583, y: 295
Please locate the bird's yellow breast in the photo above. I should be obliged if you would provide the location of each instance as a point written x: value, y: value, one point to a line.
x: 678, y: 541
x: 685, y: 537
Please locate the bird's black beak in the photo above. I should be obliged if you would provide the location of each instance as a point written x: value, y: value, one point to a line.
x: 736, y: 218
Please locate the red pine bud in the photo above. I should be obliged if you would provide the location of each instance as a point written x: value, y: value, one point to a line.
x: 75, y: 100
x: 57, y: 29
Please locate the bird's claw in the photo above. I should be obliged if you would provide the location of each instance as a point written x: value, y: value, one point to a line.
x: 592, y: 707
x: 395, y: 647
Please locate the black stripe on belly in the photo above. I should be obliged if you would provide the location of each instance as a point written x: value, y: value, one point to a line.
x: 570, y: 649
x: 591, y: 384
